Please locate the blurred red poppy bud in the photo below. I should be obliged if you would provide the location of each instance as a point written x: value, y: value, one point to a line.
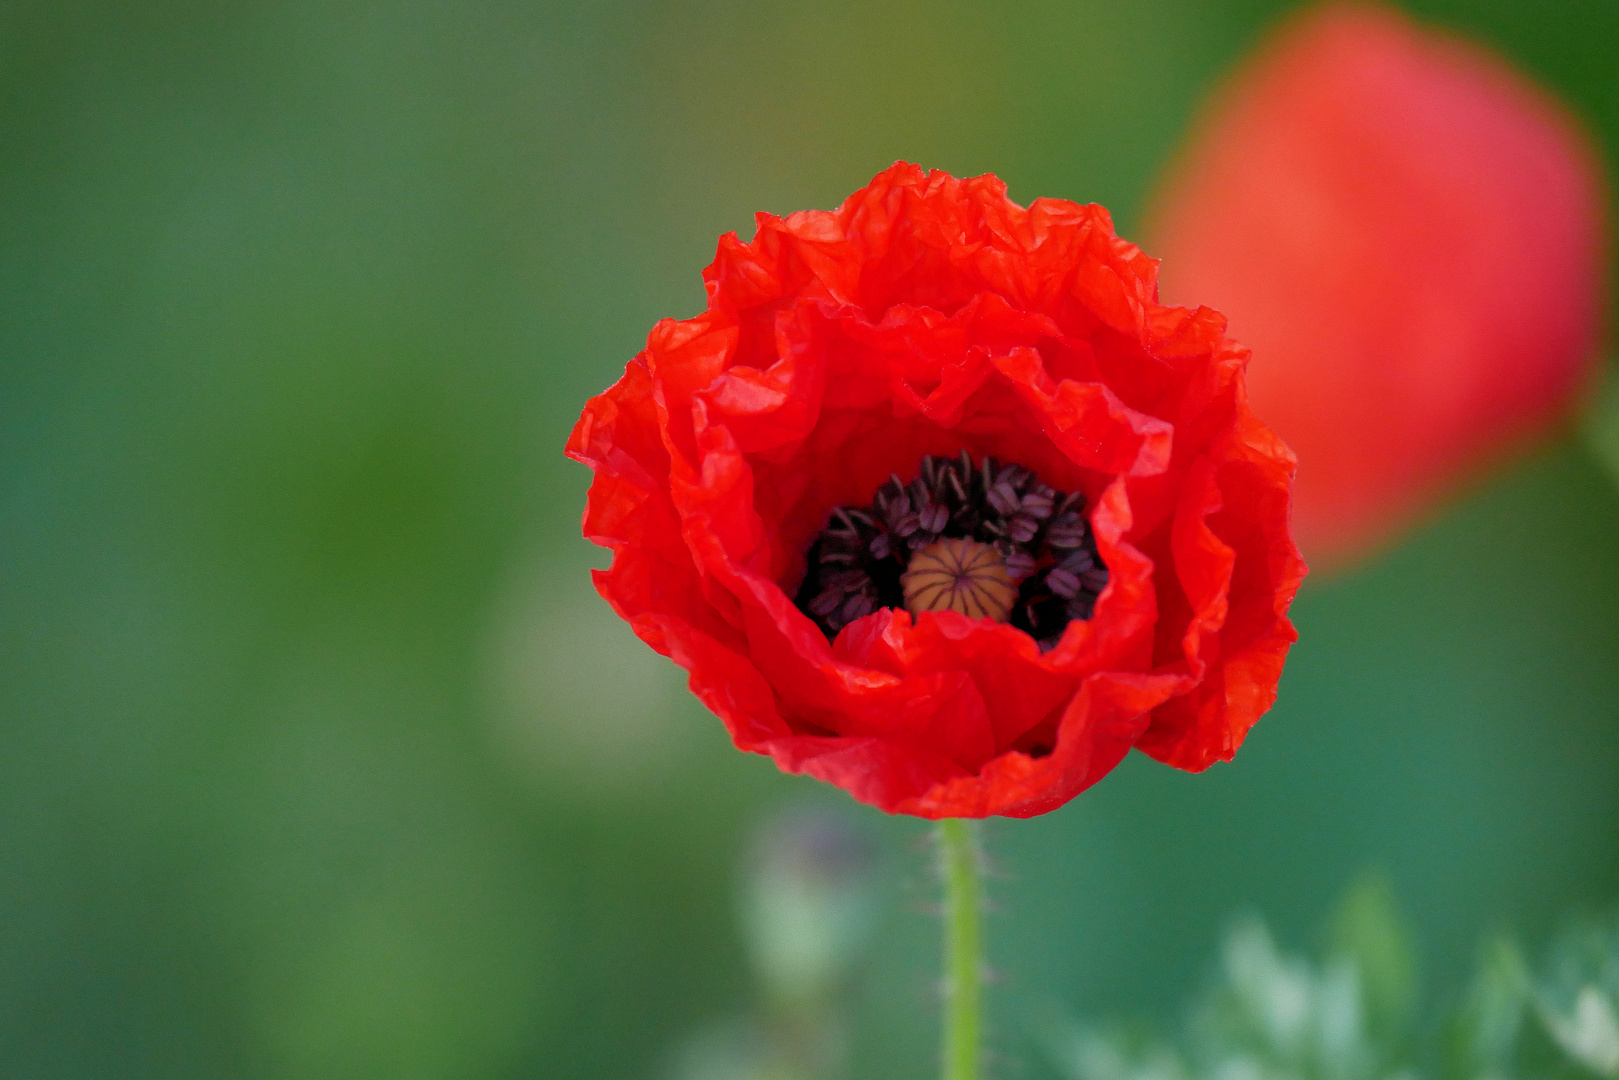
x: 1409, y: 235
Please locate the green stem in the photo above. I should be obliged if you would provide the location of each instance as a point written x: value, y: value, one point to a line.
x: 958, y: 847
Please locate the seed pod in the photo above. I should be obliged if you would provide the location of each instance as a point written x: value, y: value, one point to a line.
x: 962, y: 576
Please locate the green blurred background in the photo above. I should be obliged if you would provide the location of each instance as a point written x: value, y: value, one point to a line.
x: 318, y: 756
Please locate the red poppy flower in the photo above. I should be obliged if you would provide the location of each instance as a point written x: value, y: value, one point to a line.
x: 1410, y: 236
x: 904, y: 421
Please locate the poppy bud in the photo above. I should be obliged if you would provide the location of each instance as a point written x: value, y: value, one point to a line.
x: 1409, y: 235
x: 807, y: 906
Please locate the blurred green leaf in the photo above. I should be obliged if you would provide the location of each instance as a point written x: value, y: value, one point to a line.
x: 1578, y: 997
x: 1283, y: 1015
x: 1484, y: 1029
x: 1368, y: 931
x: 1088, y: 1053
x: 1272, y: 1015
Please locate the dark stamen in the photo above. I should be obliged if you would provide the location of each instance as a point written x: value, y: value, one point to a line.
x: 855, y: 564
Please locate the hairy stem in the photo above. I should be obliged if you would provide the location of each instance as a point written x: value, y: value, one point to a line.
x: 958, y: 849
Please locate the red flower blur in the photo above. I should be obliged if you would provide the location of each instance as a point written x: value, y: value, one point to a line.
x: 1410, y: 236
x: 930, y: 315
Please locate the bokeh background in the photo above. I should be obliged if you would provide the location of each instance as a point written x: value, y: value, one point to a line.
x: 319, y: 757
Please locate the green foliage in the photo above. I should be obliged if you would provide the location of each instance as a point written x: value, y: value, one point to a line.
x: 1578, y: 998
x: 1484, y: 1030
x: 1368, y: 933
x: 1272, y: 1015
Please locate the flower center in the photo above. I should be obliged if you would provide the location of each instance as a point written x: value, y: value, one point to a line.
x: 959, y: 575
x: 987, y: 540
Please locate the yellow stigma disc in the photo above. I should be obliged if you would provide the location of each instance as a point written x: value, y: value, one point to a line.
x: 959, y: 575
